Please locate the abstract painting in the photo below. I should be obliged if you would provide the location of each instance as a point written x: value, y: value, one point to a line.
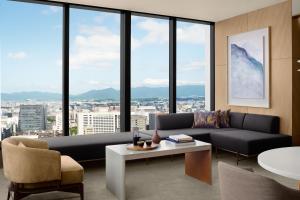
x: 248, y: 69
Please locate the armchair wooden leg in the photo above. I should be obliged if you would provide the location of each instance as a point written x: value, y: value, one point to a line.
x: 81, y: 192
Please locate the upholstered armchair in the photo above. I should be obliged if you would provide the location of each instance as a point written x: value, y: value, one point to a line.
x: 32, y: 168
x: 240, y: 184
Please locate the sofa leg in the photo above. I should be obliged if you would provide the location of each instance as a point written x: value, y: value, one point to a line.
x: 237, y: 159
x: 216, y: 152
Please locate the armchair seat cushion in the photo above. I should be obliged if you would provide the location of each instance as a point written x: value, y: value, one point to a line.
x: 71, y: 171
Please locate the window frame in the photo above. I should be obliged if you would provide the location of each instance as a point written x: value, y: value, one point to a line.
x: 125, y: 58
x: 211, y: 60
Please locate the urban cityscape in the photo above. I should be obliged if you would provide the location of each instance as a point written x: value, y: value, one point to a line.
x: 32, y: 105
x: 44, y: 118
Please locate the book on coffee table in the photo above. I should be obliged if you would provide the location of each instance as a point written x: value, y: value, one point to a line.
x: 179, y: 140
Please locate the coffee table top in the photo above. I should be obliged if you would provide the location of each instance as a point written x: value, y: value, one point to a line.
x: 282, y: 161
x: 164, y: 149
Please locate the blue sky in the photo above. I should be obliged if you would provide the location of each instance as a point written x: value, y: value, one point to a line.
x: 32, y: 39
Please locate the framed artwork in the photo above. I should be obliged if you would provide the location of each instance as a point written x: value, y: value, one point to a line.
x: 248, y: 69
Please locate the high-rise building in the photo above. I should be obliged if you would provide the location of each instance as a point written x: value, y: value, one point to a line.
x: 58, y: 123
x: 32, y: 117
x: 139, y: 121
x: 152, y: 121
x: 98, y: 122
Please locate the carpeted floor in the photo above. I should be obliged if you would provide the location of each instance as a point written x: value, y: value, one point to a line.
x: 157, y: 179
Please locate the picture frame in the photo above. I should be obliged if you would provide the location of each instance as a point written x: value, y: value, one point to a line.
x: 249, y: 69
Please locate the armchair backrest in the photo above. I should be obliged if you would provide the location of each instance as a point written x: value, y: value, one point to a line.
x: 239, y: 184
x: 30, y: 162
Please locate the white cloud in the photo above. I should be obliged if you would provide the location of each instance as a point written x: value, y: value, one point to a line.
x: 51, y: 10
x: 99, y: 19
x: 183, y: 82
x: 54, y: 9
x: 102, y: 85
x: 195, y: 33
x: 194, y: 65
x: 155, y: 82
x: 157, y: 32
x: 92, y: 82
x: 17, y: 55
x: 104, y: 16
x: 94, y: 46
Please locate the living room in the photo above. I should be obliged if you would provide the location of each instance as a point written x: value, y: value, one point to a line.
x: 150, y: 99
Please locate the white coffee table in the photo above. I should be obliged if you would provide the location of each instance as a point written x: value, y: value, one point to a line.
x: 197, y: 162
x: 282, y: 161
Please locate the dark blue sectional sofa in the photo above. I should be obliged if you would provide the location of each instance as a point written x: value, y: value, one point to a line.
x: 250, y: 134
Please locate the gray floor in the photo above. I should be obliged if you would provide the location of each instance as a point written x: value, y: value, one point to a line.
x: 159, y: 179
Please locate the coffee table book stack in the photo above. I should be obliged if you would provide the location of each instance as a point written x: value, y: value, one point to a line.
x: 180, y: 140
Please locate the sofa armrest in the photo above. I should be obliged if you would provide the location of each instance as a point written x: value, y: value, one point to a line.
x: 31, y: 165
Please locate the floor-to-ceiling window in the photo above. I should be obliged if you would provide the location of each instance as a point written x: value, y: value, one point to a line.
x: 193, y: 66
x: 49, y: 47
x: 31, y: 69
x: 149, y: 70
x: 94, y: 72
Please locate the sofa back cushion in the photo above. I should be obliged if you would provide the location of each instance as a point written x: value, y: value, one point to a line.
x: 174, y: 121
x: 237, y: 120
x: 262, y: 123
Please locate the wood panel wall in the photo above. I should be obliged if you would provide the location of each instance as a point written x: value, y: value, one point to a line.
x: 296, y: 80
x: 279, y: 19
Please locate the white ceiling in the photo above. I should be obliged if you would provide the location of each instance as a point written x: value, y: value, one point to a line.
x: 210, y: 10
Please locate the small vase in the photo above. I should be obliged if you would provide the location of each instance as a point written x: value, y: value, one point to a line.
x: 156, y: 138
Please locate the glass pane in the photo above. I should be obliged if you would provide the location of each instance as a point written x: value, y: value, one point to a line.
x: 94, y: 72
x: 149, y: 70
x: 31, y: 69
x: 193, y: 67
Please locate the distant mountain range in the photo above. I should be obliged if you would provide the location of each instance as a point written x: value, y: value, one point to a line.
x: 109, y: 93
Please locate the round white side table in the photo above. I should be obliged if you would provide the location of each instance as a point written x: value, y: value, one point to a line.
x: 282, y: 161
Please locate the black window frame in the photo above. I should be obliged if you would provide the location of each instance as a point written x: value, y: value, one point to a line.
x: 125, y: 57
x: 212, y: 59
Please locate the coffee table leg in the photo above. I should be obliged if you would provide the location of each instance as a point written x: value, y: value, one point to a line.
x: 198, y: 165
x: 115, y: 174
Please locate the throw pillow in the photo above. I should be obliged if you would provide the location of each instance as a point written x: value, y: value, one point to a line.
x: 206, y: 119
x: 225, y: 119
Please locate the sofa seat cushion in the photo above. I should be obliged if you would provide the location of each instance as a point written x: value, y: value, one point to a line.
x: 88, y: 147
x: 71, y: 171
x: 201, y: 134
x: 248, y: 142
